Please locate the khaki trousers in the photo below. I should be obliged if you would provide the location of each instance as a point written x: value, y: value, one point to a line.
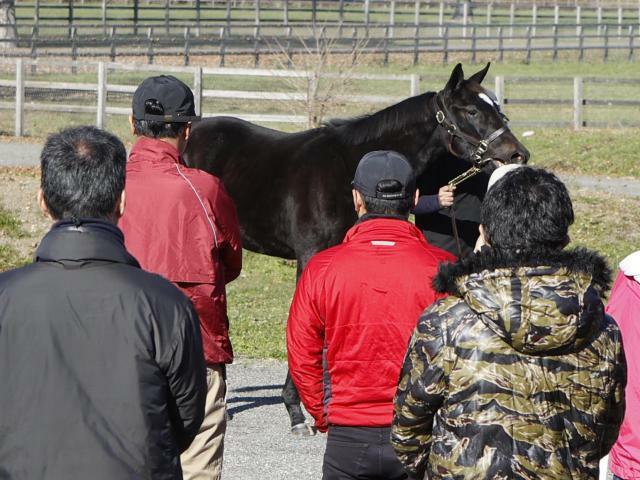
x: 203, y: 459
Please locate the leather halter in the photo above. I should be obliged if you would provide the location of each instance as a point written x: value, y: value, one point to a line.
x: 443, y: 117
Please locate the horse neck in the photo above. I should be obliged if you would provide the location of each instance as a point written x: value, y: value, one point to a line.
x: 418, y: 140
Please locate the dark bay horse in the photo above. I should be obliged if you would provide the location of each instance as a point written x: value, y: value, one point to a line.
x: 293, y: 190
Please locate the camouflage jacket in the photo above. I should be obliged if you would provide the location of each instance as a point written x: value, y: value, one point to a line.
x: 518, y: 374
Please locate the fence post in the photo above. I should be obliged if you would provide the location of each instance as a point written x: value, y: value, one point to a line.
x: 167, y: 15
x: 534, y: 18
x: 473, y: 45
x: 581, y: 45
x: 392, y: 17
x: 556, y: 14
x: 512, y: 18
x: 500, y: 89
x: 445, y: 49
x: 112, y: 41
x: 440, y: 18
x: 285, y: 12
x: 415, y: 84
x: 416, y: 45
x: 19, y: 120
x: 36, y: 12
x: 489, y: 13
x: 187, y: 46
x: 416, y: 14
x: 366, y: 15
x: 606, y: 43
x: 599, y: 18
x: 630, y: 58
x: 103, y: 10
x: 528, y: 59
x: 578, y: 102
x: 555, y: 43
x: 620, y: 20
x: 102, y: 95
x: 578, y: 18
x: 500, y: 44
x: 197, y: 89
x: 465, y: 18
x: 198, y: 15
x: 136, y: 13
x: 223, y: 45
x: 228, y: 15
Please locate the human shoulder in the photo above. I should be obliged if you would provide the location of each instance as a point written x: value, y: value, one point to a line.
x: 444, y: 314
x: 158, y: 291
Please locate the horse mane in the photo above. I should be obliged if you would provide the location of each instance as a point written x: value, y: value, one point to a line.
x: 395, y: 118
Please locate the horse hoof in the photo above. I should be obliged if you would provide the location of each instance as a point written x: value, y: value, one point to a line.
x: 303, y: 430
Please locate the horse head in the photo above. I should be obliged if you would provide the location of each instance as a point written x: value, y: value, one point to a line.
x: 473, y: 123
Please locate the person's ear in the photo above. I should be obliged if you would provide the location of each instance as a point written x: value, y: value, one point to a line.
x: 483, y: 234
x: 358, y: 202
x: 416, y: 197
x: 121, y: 204
x: 187, y: 131
x: 133, y: 128
x: 43, y: 204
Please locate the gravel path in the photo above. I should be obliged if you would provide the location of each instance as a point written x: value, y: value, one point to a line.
x: 258, y: 445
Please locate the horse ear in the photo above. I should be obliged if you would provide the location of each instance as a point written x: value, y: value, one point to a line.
x: 479, y: 76
x: 457, y: 76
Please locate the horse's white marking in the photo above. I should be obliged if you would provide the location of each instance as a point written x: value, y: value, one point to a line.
x: 528, y: 133
x: 486, y: 98
x: 383, y: 243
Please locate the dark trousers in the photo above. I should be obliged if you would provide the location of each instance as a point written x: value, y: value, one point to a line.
x: 361, y: 453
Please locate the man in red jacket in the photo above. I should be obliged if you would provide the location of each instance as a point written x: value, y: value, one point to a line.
x: 352, y: 315
x: 181, y: 224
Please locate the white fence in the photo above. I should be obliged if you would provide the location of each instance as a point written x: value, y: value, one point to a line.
x: 408, y: 85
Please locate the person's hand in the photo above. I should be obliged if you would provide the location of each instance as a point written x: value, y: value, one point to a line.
x: 445, y: 196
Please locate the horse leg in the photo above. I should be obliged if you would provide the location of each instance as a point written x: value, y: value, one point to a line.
x: 290, y: 396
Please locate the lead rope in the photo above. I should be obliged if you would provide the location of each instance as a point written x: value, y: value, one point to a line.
x: 452, y: 210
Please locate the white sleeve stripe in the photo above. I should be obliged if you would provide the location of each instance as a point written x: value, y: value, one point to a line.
x: 206, y: 214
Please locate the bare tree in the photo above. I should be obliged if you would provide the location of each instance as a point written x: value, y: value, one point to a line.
x: 8, y: 31
x: 329, y: 67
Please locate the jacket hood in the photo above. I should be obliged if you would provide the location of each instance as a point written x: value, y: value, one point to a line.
x: 540, y: 303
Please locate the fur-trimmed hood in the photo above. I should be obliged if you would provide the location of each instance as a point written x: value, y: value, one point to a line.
x: 544, y: 303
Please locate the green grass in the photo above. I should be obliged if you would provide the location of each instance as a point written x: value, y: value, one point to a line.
x: 259, y: 305
x: 11, y: 258
x: 10, y: 225
x: 590, y: 152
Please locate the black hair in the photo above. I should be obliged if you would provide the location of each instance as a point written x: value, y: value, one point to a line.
x: 529, y: 209
x: 83, y: 173
x: 378, y: 206
x: 153, y: 128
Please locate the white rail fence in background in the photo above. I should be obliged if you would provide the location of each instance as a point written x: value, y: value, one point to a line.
x: 412, y: 81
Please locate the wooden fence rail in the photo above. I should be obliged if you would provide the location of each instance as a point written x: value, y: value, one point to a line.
x: 287, y: 42
x: 102, y: 87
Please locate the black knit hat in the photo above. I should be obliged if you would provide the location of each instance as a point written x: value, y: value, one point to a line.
x: 172, y: 95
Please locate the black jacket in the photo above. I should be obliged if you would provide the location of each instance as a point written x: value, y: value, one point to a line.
x: 102, y: 374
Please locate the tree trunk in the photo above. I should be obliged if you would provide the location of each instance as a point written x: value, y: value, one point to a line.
x: 8, y: 31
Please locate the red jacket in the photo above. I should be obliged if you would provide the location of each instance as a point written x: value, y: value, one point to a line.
x: 356, y: 306
x: 180, y: 222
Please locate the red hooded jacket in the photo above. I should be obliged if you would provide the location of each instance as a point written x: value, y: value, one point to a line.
x: 180, y: 222
x: 353, y: 312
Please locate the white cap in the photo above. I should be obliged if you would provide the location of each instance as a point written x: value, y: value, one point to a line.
x: 500, y: 172
x: 630, y: 266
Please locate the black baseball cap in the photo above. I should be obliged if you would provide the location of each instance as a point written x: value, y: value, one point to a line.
x: 381, y: 165
x: 173, y: 95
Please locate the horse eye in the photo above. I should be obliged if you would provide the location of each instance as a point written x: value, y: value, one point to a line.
x: 473, y: 112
